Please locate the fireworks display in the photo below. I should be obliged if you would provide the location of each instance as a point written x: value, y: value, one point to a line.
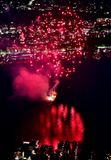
x: 56, y: 40
x: 54, y: 55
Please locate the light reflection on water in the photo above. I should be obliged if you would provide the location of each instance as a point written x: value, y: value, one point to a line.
x: 52, y: 124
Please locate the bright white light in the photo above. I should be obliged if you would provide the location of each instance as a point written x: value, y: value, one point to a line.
x: 51, y: 96
x: 30, y: 2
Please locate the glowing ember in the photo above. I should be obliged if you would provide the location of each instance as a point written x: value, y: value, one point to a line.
x: 51, y: 96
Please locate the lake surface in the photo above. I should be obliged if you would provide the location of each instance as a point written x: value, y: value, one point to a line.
x: 52, y: 123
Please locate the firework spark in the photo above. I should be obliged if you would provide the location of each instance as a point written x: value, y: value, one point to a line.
x: 56, y: 42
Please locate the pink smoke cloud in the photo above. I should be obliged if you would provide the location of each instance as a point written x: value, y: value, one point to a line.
x: 30, y: 85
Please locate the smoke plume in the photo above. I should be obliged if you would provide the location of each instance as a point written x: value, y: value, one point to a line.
x: 30, y: 85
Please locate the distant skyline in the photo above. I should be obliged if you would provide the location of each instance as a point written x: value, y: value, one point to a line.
x: 57, y: 1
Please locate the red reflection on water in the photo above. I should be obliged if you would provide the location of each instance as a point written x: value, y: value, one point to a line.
x: 53, y: 124
x: 61, y: 123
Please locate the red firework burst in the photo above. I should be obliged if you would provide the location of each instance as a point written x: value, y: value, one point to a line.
x: 56, y: 39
